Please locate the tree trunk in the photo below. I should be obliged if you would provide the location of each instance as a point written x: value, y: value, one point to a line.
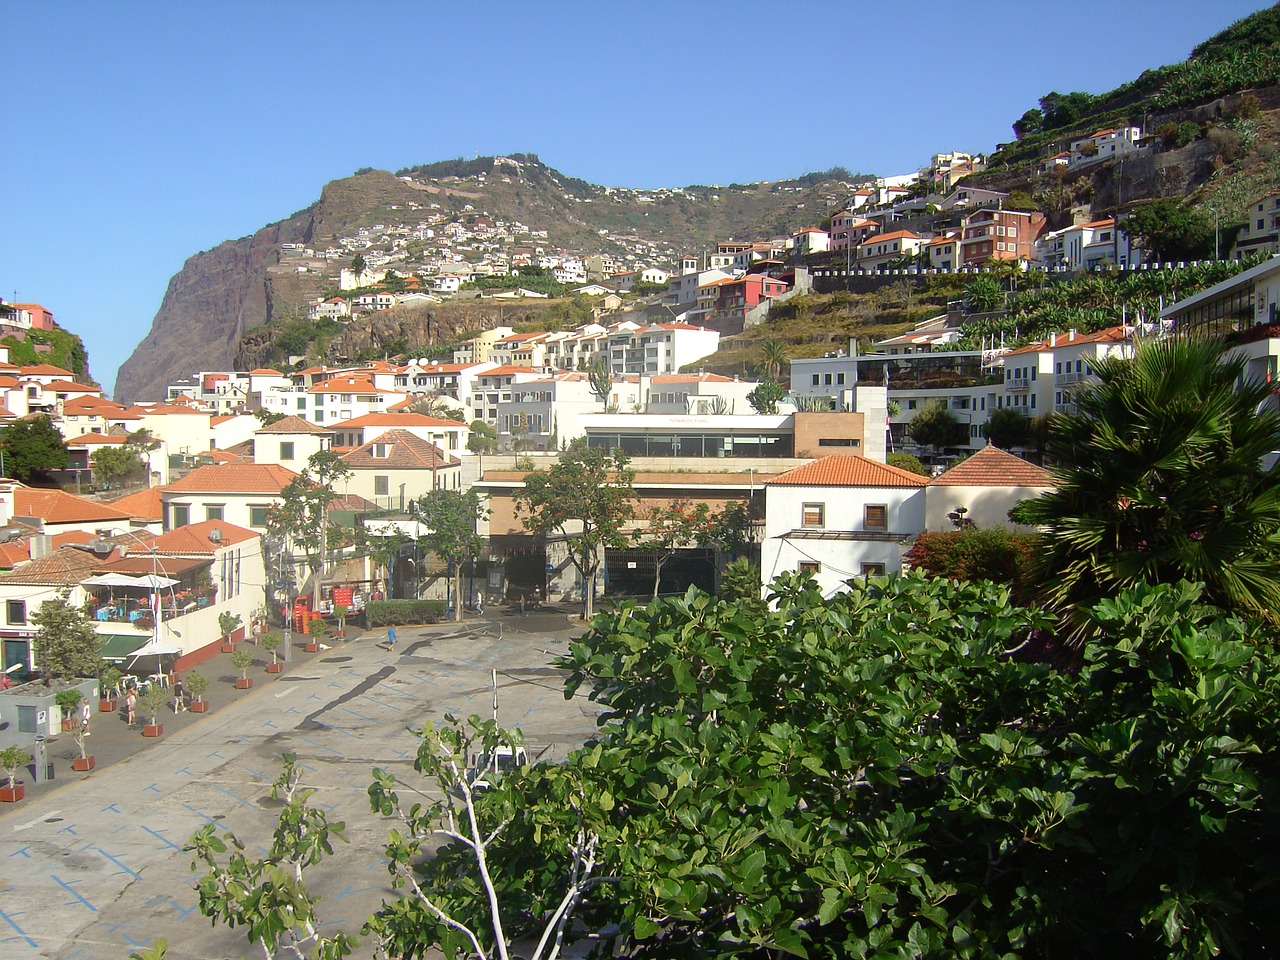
x: 455, y: 574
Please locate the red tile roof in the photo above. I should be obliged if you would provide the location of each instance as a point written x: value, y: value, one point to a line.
x: 56, y: 506
x: 847, y: 472
x: 398, y: 420
x: 195, y: 538
x: 1066, y: 339
x: 404, y: 451
x: 266, y: 371
x: 144, y: 505
x: 45, y: 370
x: 293, y: 425
x: 896, y: 235
x: 64, y: 567
x: 265, y: 478
x: 993, y: 467
x: 70, y: 386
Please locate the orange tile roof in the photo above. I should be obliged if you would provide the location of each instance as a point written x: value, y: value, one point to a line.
x: 896, y: 235
x: 10, y: 382
x: 57, y: 506
x: 264, y: 478
x: 194, y: 538
x: 95, y: 439
x: 64, y: 567
x: 404, y: 451
x: 144, y: 505
x: 293, y: 425
x: 164, y: 409
x: 90, y: 404
x: 45, y: 370
x: 854, y: 471
x: 993, y: 467
x: 348, y: 385
x: 507, y: 371
x: 1109, y: 335
x: 70, y: 386
x: 13, y: 553
x: 692, y: 378
x: 398, y: 420
x: 265, y: 372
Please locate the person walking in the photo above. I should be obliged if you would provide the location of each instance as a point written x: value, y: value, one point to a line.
x: 179, y: 696
x: 130, y: 705
x: 85, y: 713
x: 391, y: 639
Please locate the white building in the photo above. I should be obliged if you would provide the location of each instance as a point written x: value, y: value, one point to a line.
x: 838, y: 518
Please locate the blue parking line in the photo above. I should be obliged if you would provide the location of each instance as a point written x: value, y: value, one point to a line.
x: 110, y: 806
x: 116, y: 861
x: 22, y: 852
x: 316, y: 743
x: 359, y: 716
x: 353, y: 736
x: 22, y: 934
x: 162, y: 839
x: 251, y: 806
x: 67, y: 887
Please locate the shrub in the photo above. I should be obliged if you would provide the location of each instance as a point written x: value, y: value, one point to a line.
x: 974, y: 555
x: 906, y: 461
x: 394, y: 613
x: 11, y: 758
x: 197, y: 683
x: 153, y: 701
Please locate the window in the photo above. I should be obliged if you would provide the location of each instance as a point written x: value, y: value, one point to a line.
x: 826, y: 379
x: 876, y: 516
x: 319, y: 416
x: 873, y: 569
x: 258, y: 516
x: 17, y: 612
x: 815, y: 379
x: 180, y: 517
x: 809, y: 568
x: 813, y: 515
x: 286, y: 450
x: 381, y: 486
x: 213, y: 511
x: 346, y: 398
x: 839, y: 378
x: 911, y: 404
x: 380, y: 450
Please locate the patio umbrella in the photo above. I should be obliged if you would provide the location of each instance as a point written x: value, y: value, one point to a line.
x: 151, y: 581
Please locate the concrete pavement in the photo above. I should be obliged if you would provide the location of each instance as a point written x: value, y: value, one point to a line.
x: 93, y: 867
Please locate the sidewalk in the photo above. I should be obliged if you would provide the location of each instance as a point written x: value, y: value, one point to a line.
x: 111, y: 740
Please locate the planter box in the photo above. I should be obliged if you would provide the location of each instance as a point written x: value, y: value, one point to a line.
x: 244, y: 683
x: 228, y: 648
x: 83, y: 764
x: 274, y: 667
x: 68, y: 725
x: 152, y: 729
x: 200, y: 706
x: 312, y: 646
x: 106, y: 706
x: 14, y: 795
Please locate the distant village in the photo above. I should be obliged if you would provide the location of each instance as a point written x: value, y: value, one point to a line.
x: 220, y: 448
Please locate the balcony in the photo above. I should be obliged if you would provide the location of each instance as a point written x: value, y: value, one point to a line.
x: 1017, y: 385
x: 1069, y: 379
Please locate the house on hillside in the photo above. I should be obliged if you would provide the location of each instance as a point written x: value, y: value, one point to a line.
x: 983, y: 489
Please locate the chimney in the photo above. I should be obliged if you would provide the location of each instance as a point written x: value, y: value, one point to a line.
x: 1053, y: 339
x: 1073, y: 333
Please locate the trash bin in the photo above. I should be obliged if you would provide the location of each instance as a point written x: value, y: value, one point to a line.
x: 44, y: 769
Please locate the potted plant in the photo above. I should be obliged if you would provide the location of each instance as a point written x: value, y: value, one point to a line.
x: 198, y: 684
x: 340, y: 612
x: 85, y: 761
x: 228, y: 623
x: 11, y: 758
x: 242, y: 660
x: 272, y: 642
x: 68, y: 702
x: 149, y: 705
x: 314, y: 631
x: 108, y: 685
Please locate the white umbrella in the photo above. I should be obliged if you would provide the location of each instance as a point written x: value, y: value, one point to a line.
x: 111, y: 580
x: 151, y: 581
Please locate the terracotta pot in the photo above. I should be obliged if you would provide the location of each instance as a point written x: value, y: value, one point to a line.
x: 312, y: 646
x: 228, y: 648
x: 13, y: 796
x: 244, y: 683
x: 152, y: 729
x: 106, y: 706
x: 274, y: 667
x: 68, y: 725
x: 83, y: 763
x: 200, y: 706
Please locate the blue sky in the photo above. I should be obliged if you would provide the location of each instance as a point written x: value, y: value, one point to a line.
x: 140, y: 133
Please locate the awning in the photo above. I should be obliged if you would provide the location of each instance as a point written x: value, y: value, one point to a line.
x: 153, y: 582
x: 110, y: 580
x: 119, y: 647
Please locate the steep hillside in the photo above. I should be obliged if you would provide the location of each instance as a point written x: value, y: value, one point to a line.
x: 223, y: 293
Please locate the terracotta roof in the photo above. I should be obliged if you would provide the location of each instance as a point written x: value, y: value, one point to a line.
x: 195, y: 538
x: 143, y: 505
x: 353, y: 502
x: 896, y: 235
x: 692, y: 378
x: 293, y: 425
x: 399, y: 420
x: 57, y: 506
x: 506, y: 371
x: 847, y: 472
x: 223, y: 456
x: 265, y: 478
x: 405, y: 451
x: 1096, y: 224
x: 90, y: 404
x: 70, y: 386
x: 214, y: 421
x: 1066, y: 339
x: 348, y: 385
x: 45, y: 370
x: 96, y: 439
x: 63, y: 567
x: 267, y: 371
x: 13, y: 553
x: 10, y: 382
x: 138, y: 564
x: 164, y: 408
x: 993, y: 467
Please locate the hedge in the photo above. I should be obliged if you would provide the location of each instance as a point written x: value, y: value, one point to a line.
x: 393, y: 613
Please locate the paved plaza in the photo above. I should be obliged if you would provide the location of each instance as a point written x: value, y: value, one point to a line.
x: 91, y: 865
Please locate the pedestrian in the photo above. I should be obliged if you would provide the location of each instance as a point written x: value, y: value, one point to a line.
x: 391, y: 639
x: 85, y: 714
x: 130, y: 704
x: 522, y: 604
x: 179, y: 696
x: 5, y: 682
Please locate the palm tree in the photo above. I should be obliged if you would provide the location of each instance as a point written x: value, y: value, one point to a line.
x: 775, y: 355
x: 1160, y: 478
